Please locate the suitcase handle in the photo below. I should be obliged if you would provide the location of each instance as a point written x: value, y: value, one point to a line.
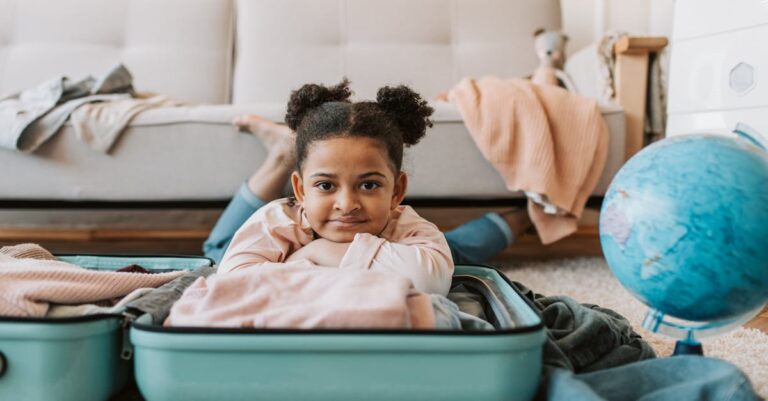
x: 3, y: 364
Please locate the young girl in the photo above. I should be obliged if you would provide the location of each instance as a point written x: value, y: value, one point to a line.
x: 476, y: 241
x: 348, y: 187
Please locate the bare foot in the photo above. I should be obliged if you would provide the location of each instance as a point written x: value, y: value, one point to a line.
x: 268, y: 181
x: 518, y: 220
x: 279, y: 139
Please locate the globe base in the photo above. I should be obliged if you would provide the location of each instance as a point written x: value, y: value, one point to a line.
x: 686, y: 348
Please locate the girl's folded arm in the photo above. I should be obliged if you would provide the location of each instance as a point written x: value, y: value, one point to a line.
x: 270, y: 235
x: 421, y: 255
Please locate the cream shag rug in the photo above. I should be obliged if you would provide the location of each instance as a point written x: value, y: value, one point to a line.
x: 590, y: 280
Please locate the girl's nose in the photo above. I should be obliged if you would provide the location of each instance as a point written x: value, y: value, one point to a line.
x: 346, y: 202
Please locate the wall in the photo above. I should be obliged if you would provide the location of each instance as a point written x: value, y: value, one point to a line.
x: 585, y: 21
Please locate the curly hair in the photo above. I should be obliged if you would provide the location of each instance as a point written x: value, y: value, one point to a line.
x: 399, y: 117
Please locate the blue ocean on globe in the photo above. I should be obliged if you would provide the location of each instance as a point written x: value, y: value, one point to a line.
x: 684, y: 227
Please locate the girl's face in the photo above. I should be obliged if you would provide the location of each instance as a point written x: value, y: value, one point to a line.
x: 347, y: 186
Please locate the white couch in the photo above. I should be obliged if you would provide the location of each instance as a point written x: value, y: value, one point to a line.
x: 245, y: 56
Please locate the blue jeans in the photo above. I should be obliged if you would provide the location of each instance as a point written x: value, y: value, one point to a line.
x: 663, y: 379
x: 474, y: 242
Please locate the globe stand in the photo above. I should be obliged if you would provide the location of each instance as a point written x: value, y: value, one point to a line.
x: 689, y: 332
x: 685, y: 348
x: 688, y: 346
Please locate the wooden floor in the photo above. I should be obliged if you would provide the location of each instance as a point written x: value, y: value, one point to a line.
x: 164, y: 240
x: 585, y: 242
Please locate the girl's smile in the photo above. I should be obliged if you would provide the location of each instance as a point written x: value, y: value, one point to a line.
x: 347, y: 222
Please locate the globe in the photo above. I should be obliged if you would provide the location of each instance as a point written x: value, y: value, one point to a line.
x: 684, y: 227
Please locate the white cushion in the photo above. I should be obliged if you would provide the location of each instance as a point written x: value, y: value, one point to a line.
x: 177, y: 47
x: 193, y: 153
x: 154, y: 162
x: 427, y: 44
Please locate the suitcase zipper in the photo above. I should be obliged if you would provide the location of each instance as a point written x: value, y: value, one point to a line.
x: 126, y: 352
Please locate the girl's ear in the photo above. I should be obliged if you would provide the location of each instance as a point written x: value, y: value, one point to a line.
x: 401, y: 185
x: 298, y: 187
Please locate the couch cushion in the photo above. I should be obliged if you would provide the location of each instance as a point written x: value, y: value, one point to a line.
x: 170, y: 161
x: 428, y: 44
x: 193, y: 153
x: 177, y: 47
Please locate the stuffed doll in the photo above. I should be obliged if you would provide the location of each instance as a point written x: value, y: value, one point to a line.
x: 550, y: 49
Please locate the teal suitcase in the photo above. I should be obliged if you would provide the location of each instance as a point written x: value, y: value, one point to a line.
x: 78, y: 358
x: 176, y: 363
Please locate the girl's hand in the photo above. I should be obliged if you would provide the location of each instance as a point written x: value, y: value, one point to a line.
x: 321, y: 252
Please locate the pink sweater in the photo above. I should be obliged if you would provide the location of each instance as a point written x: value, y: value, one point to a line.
x: 409, y: 246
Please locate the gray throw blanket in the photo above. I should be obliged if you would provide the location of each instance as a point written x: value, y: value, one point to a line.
x: 30, y: 118
x: 585, y: 337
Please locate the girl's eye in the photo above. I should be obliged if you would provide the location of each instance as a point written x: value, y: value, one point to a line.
x: 369, y: 185
x: 324, y: 186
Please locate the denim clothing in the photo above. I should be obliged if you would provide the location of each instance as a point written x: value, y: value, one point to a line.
x: 479, y: 240
x: 676, y: 378
x: 474, y: 242
x: 239, y: 209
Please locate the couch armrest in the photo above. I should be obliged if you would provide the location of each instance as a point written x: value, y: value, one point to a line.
x: 631, y: 83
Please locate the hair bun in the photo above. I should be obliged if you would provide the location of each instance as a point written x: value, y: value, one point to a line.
x: 408, y: 110
x: 311, y: 96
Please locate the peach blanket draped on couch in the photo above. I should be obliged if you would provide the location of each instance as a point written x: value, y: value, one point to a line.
x: 541, y: 139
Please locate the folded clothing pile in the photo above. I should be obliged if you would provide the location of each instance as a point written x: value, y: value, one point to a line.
x: 33, y: 283
x: 296, y: 295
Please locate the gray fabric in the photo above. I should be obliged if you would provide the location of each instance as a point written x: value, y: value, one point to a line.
x: 448, y: 315
x: 472, y: 322
x: 117, y: 80
x: 49, y: 124
x: 158, y: 303
x: 468, y: 302
x: 471, y: 309
x: 20, y: 110
x: 62, y: 310
x: 585, y: 337
x: 29, y: 118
